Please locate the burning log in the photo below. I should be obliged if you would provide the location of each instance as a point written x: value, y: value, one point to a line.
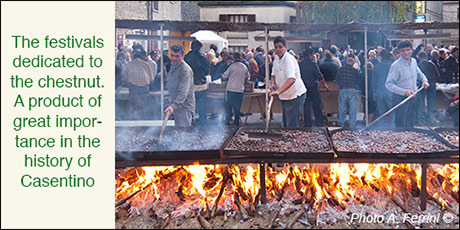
x: 243, y: 212
x: 225, y: 179
x: 204, y: 223
x: 439, y: 182
x: 132, y: 195
x: 166, y: 222
x: 280, y: 193
x: 450, y: 191
x: 179, y: 192
x: 318, y: 208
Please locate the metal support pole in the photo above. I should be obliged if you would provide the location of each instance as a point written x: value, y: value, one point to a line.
x: 366, y: 95
x: 423, y: 193
x: 161, y: 72
x: 267, y: 72
x: 263, y: 190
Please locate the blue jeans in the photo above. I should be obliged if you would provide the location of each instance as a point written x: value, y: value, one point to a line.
x: 313, y: 97
x: 347, y: 100
x: 384, y: 103
x: 233, y: 100
x: 404, y: 114
x: 430, y: 95
x: 200, y: 98
x: 291, y: 111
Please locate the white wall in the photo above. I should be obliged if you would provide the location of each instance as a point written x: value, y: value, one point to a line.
x: 264, y: 14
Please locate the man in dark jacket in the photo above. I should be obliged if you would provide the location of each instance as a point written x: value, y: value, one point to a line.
x: 431, y: 72
x: 382, y: 96
x: 200, y: 66
x: 451, y: 64
x: 328, y: 67
x: 311, y: 74
x: 260, y: 63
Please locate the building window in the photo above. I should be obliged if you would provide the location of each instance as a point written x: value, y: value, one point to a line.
x: 292, y: 19
x: 237, y: 18
x: 155, y: 5
x: 237, y: 48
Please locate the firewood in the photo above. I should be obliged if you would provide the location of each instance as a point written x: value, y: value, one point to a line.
x: 272, y: 218
x: 399, y: 203
x: 446, y: 207
x: 243, y: 212
x: 242, y: 193
x: 221, y: 192
x: 204, y: 223
x: 318, y: 208
x: 132, y: 195
x: 179, y: 192
x: 166, y: 222
x: 208, y: 210
x: 280, y: 194
x: 252, y: 208
x: 449, y: 190
x: 295, y: 217
x: 225, y: 216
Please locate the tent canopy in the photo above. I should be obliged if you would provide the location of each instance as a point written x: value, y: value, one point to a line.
x: 208, y: 37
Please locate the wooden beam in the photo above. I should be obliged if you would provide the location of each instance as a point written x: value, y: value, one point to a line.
x: 156, y: 37
x: 290, y: 39
x: 417, y: 36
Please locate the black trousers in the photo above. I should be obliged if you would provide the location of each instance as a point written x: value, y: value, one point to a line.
x: 406, y: 113
x: 313, y: 98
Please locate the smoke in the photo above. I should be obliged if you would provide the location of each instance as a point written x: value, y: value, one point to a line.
x: 141, y: 139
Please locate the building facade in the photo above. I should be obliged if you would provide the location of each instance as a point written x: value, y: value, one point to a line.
x: 450, y: 13
x: 248, y: 11
x: 155, y: 10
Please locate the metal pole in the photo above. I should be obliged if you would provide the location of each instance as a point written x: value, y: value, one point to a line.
x: 365, y: 78
x: 267, y: 72
x: 263, y: 191
x: 161, y: 71
x: 423, y: 193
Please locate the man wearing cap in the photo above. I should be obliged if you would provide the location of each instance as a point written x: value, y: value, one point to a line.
x: 180, y: 88
x: 287, y: 84
x: 137, y: 76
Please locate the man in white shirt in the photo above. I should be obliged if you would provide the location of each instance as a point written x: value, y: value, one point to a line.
x: 287, y: 84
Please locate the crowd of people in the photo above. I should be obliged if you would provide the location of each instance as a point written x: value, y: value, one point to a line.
x: 394, y: 74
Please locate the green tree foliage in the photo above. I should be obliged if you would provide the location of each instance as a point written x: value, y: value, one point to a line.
x: 342, y: 12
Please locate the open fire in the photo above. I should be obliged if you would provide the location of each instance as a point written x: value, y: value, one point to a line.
x: 309, y: 194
